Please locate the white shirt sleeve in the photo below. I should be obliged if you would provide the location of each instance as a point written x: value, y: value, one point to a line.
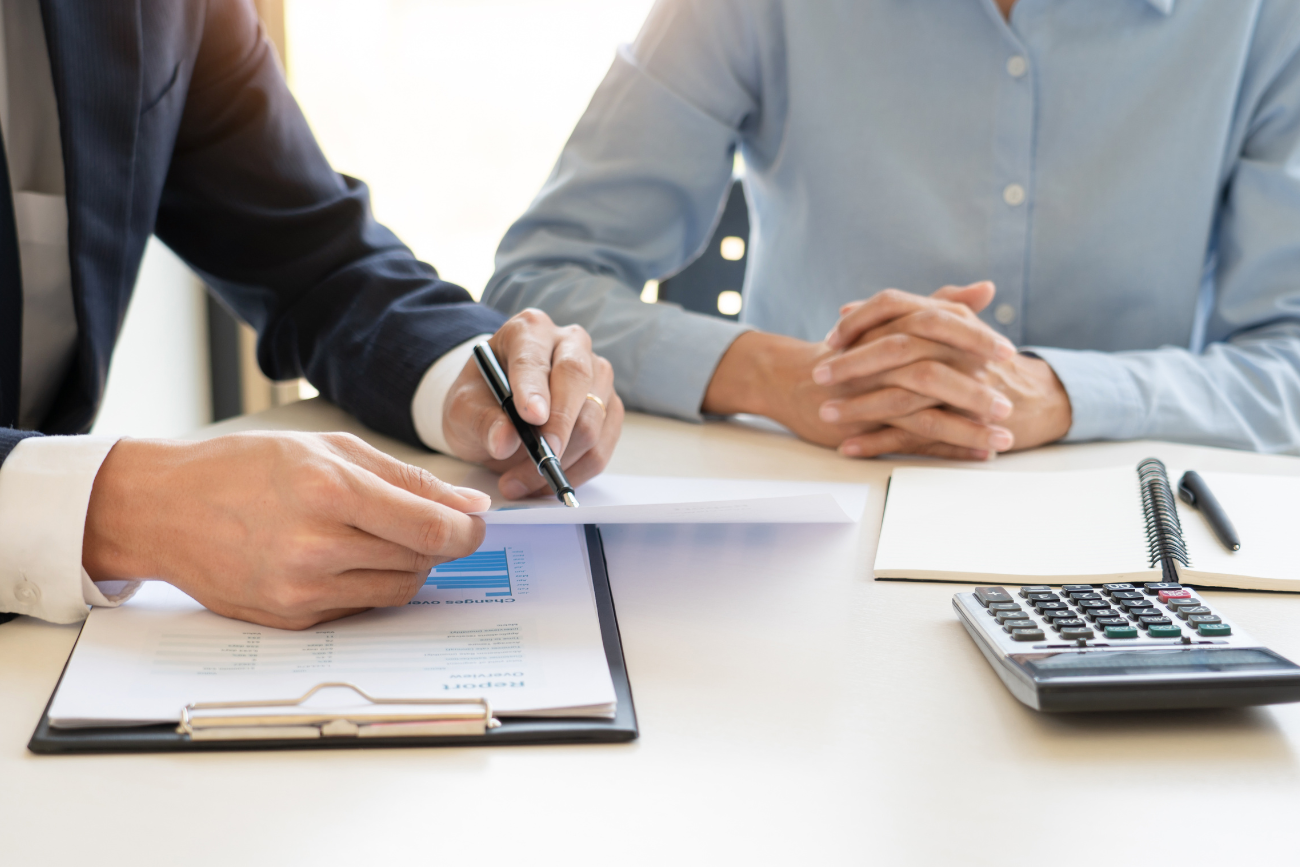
x: 45, y: 486
x: 431, y: 395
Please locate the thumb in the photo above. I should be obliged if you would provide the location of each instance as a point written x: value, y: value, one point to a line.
x: 976, y: 296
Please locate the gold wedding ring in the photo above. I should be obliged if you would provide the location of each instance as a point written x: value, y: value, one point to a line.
x: 600, y: 403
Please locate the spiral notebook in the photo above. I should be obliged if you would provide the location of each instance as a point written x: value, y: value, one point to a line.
x: 1083, y: 526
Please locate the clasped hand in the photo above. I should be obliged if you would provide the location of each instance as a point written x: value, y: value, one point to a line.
x: 911, y: 374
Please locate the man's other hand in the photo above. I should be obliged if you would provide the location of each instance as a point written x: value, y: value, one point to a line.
x: 552, y: 370
x: 282, y: 529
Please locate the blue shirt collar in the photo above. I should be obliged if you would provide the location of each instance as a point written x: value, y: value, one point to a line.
x: 1165, y: 6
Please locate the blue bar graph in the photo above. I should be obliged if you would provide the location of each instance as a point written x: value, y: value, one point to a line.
x: 482, y: 570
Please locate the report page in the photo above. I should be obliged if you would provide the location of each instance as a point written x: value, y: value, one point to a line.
x: 515, y: 622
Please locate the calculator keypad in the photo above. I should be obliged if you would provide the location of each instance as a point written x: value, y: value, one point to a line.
x: 1110, y: 613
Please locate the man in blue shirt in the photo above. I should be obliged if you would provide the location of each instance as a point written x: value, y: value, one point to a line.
x: 1125, y: 172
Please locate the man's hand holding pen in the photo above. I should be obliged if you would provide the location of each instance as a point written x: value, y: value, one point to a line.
x: 559, y: 385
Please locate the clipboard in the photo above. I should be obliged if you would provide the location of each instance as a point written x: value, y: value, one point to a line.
x: 460, y: 726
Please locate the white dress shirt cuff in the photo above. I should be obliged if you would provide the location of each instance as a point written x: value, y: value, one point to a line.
x: 431, y: 395
x: 1106, y: 402
x: 45, y: 489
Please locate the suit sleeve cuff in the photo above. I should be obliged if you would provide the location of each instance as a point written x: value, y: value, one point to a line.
x: 45, y: 489
x: 431, y: 394
x: 1105, y: 401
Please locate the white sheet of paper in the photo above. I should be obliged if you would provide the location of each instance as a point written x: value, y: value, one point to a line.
x: 617, y: 499
x: 516, y: 624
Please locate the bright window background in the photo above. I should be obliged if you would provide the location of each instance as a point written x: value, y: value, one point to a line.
x: 453, y: 111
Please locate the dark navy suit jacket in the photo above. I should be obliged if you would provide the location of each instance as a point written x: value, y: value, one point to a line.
x: 175, y: 120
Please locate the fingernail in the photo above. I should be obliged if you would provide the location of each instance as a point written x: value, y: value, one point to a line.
x: 981, y: 455
x: 1000, y: 439
x: 553, y: 441
x: 829, y: 412
x: 822, y: 375
x: 513, y: 488
x: 537, y: 406
x: 1006, y: 349
x: 1001, y: 407
x: 830, y: 337
x: 469, y: 493
x: 851, y: 449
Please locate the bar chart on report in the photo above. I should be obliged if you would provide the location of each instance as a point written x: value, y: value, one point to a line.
x: 491, y: 573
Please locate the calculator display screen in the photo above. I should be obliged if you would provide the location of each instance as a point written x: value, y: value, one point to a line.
x: 1151, y: 662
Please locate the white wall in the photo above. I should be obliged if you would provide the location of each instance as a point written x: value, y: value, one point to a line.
x: 159, y: 383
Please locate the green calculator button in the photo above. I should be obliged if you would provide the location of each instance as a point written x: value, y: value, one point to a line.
x: 1214, y: 630
x: 1158, y: 631
x: 1121, y: 632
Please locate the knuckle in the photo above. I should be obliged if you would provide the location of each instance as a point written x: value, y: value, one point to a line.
x: 290, y: 600
x: 434, y: 535
x: 533, y: 317
x: 573, y: 365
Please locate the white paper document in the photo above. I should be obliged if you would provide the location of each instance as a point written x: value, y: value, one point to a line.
x: 514, y: 622
x: 616, y: 499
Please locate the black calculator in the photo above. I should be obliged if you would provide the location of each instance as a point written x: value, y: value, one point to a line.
x: 1089, y: 647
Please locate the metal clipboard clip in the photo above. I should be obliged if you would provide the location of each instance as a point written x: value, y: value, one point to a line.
x: 464, y: 716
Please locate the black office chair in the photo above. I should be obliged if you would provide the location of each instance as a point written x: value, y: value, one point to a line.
x: 712, y: 284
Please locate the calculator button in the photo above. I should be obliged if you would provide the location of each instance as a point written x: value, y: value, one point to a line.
x: 1077, y: 632
x: 1180, y: 593
x: 1028, y: 635
x: 1100, y: 614
x: 1108, y: 622
x: 1183, y: 603
x: 1121, y: 632
x: 1034, y: 588
x: 1077, y: 588
x: 1157, y: 630
x: 1050, y: 605
x: 1126, y: 594
x: 1198, y: 619
x: 1154, y: 620
x: 1111, y: 588
x: 1092, y: 604
x: 1004, y: 616
x: 1069, y: 623
x: 1042, y: 597
x: 1186, y: 612
x: 989, y: 595
x: 1214, y: 630
x: 1003, y: 606
x: 1087, y: 597
x: 1156, y: 586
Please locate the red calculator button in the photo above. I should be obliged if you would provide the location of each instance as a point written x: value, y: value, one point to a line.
x: 1166, y: 595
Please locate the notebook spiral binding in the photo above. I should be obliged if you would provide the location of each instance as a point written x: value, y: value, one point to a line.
x: 1164, y: 533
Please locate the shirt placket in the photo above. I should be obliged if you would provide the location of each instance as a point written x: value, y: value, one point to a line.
x: 1013, y: 134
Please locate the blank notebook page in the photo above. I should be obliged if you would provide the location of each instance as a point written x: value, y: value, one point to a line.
x: 975, y: 525
x: 1263, y: 509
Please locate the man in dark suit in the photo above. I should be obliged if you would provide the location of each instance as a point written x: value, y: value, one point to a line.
x: 171, y: 117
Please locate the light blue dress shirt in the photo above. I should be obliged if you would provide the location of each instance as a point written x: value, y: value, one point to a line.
x: 1126, y: 171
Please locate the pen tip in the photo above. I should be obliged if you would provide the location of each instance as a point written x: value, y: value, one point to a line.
x: 1236, y: 547
x: 569, y: 500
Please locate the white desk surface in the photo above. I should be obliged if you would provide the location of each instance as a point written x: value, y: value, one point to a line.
x: 792, y: 711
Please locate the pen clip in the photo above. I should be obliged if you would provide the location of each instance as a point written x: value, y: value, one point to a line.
x: 1185, y: 491
x: 488, y: 365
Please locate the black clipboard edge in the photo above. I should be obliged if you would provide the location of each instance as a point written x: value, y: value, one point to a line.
x: 563, y: 730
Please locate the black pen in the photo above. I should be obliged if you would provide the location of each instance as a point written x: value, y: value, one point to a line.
x: 1193, y: 491
x: 540, y: 450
